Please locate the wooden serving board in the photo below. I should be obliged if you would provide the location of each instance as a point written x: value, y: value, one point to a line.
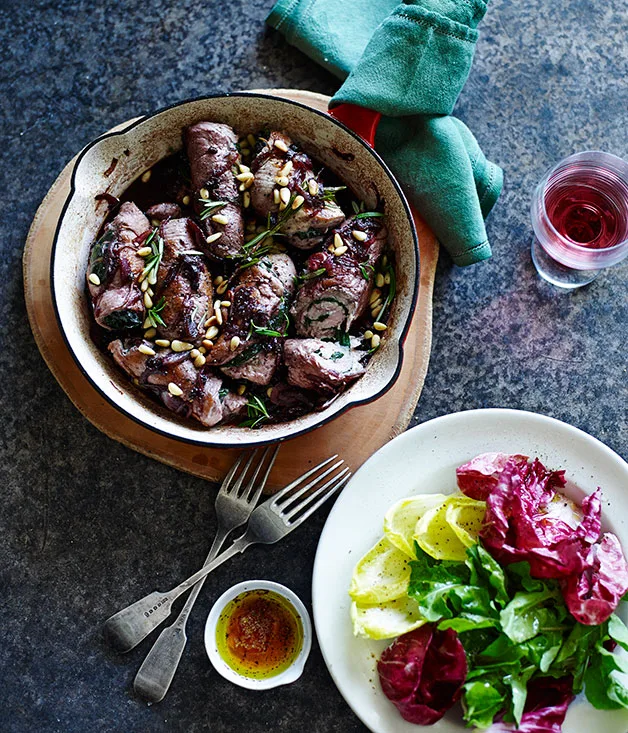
x: 355, y: 435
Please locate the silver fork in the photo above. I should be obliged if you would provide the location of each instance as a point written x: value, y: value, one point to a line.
x: 233, y: 507
x: 269, y: 522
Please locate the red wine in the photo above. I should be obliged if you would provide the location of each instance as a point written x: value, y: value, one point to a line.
x: 588, y: 206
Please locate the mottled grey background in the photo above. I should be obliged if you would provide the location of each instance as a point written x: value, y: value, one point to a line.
x: 87, y: 525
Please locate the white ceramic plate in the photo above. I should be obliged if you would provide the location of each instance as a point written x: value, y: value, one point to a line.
x: 424, y: 460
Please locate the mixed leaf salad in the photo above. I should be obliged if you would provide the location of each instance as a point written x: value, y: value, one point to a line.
x: 501, y: 595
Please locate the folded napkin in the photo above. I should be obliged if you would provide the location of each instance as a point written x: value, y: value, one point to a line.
x: 409, y: 61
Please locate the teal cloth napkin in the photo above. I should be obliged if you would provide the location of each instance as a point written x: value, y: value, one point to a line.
x: 409, y: 61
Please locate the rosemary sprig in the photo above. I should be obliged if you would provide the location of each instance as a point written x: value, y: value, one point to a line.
x: 210, y: 207
x: 329, y: 192
x: 311, y: 275
x: 156, y: 243
x: 356, y: 207
x: 251, y: 252
x: 261, y: 331
x: 256, y: 411
x: 153, y: 313
x: 364, y: 269
x: 368, y: 214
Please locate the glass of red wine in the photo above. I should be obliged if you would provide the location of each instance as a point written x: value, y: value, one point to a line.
x: 580, y: 218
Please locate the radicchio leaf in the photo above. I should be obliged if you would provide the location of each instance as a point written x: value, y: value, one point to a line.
x: 479, y: 476
x: 594, y: 594
x: 545, y: 708
x: 422, y: 673
x: 519, y: 525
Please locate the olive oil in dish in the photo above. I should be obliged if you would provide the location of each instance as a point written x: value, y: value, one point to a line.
x: 259, y: 634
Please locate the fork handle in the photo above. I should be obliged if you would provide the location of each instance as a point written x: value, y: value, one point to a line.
x: 154, y: 677
x: 128, y: 627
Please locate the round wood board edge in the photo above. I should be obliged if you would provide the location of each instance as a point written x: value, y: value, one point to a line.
x: 355, y: 435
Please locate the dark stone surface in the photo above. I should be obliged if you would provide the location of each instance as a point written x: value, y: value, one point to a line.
x: 86, y: 524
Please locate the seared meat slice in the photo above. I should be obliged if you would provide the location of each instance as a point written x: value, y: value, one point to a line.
x: 234, y: 407
x: 257, y: 364
x: 307, y: 226
x: 334, y: 299
x: 260, y: 298
x: 199, y: 389
x: 115, y: 266
x: 212, y: 152
x: 183, y: 281
x: 290, y: 402
x: 161, y: 212
x: 322, y: 366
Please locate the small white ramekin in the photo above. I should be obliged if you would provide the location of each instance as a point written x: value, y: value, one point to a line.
x: 289, y: 675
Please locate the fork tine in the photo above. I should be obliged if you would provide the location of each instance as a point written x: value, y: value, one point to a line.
x: 307, y: 500
x: 314, y: 482
x: 297, y: 481
x: 254, y: 499
x: 224, y: 487
x: 339, y: 485
x: 236, y: 487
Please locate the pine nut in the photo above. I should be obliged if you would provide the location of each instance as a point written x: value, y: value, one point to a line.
x: 94, y: 279
x: 286, y: 169
x: 384, y: 260
x: 146, y: 177
x: 150, y: 291
x: 368, y: 335
x: 221, y: 289
x: 387, y: 279
x: 148, y: 301
x: 244, y: 168
x: 331, y: 248
x: 185, y: 200
x: 312, y: 187
x: 180, y: 346
x: 211, y: 322
x: 152, y: 277
x: 218, y: 279
x: 149, y: 333
x: 341, y: 250
x: 207, y: 343
x: 379, y: 280
x: 174, y: 390
x: 251, y: 140
x: 155, y: 222
x: 269, y: 392
x: 241, y: 389
x: 379, y: 326
x: 202, y: 350
x: 298, y: 202
x: 358, y: 235
x: 144, y: 286
x: 284, y: 195
x: 144, y: 251
x: 143, y: 349
x: 212, y: 332
x: 194, y: 353
x: 246, y: 200
x: 281, y: 145
x: 220, y: 219
x: 375, y: 341
x: 234, y: 343
x: 204, y: 193
x: 213, y: 237
x: 199, y: 361
x: 338, y: 240
x: 375, y: 295
x: 164, y: 343
x: 282, y: 180
x: 276, y: 195
x: 244, y: 176
x: 225, y: 303
x: 147, y: 323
